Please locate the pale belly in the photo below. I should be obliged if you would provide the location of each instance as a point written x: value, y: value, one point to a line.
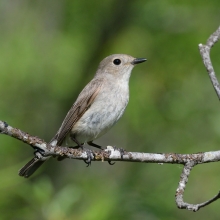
x: 97, y: 120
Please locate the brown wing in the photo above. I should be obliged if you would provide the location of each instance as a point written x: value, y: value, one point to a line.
x: 82, y: 104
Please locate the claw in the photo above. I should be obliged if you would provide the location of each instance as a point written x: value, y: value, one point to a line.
x: 88, y: 152
x: 110, y: 162
x: 5, y: 124
x: 38, y: 150
x: 88, y: 161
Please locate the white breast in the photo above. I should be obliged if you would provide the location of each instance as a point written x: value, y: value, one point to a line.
x: 105, y: 111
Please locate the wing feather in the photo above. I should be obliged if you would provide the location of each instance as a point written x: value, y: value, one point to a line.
x: 82, y: 104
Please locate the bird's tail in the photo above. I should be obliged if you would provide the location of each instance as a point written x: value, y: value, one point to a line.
x: 29, y: 168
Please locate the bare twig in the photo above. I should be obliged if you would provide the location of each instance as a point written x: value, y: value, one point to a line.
x: 181, y: 188
x: 110, y: 153
x: 205, y: 53
x: 113, y: 154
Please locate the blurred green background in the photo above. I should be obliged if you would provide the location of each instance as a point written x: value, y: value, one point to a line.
x: 49, y: 50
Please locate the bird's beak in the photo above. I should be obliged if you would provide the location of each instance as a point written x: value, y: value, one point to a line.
x: 138, y: 60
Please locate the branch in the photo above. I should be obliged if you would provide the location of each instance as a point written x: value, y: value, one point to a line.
x: 110, y: 153
x: 181, y: 188
x: 205, y: 54
x: 113, y: 154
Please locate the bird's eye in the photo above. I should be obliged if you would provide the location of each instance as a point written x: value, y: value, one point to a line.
x: 117, y: 61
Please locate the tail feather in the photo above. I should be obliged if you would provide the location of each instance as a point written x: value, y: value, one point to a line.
x: 29, y: 168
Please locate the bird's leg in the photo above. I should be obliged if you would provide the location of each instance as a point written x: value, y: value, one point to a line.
x: 88, y: 152
x: 37, y: 149
x: 77, y: 142
x: 94, y: 145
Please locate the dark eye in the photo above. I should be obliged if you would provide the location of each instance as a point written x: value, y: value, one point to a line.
x: 117, y: 61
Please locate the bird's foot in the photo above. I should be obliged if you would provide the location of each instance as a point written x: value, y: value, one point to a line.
x: 110, y: 162
x: 90, y: 156
x: 39, y: 150
x: 122, y: 152
x: 89, y: 153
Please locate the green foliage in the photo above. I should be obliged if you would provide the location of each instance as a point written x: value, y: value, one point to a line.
x: 49, y: 50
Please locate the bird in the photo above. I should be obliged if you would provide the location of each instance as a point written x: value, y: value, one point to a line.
x: 97, y: 108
